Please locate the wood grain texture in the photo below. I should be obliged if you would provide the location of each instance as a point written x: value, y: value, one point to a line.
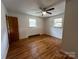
x: 12, y: 27
x: 38, y: 47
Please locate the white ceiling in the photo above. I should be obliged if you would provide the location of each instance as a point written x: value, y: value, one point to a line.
x: 31, y: 7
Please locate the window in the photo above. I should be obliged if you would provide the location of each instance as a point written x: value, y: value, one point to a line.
x: 58, y: 22
x: 32, y: 22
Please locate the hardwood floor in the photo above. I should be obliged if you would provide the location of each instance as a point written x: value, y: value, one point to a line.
x: 38, y: 47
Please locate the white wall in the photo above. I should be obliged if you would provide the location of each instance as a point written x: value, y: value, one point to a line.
x: 50, y: 29
x: 70, y: 37
x: 4, y: 35
x: 24, y: 29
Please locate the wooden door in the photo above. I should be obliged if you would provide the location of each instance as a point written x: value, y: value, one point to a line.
x: 12, y: 25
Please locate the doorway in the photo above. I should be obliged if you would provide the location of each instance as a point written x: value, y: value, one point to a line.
x: 12, y: 26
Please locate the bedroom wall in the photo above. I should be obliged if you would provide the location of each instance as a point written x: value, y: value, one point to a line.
x: 50, y: 29
x: 70, y: 37
x: 24, y: 29
x: 4, y: 35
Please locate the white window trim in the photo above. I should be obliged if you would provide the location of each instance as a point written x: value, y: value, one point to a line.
x: 58, y: 22
x: 33, y: 21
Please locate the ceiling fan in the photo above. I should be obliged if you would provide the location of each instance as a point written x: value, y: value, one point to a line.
x: 45, y: 10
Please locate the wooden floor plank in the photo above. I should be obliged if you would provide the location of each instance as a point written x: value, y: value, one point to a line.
x: 38, y: 47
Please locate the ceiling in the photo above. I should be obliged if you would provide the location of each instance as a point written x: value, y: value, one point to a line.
x: 32, y: 7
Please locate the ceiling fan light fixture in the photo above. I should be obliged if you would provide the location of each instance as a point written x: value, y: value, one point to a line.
x: 44, y: 13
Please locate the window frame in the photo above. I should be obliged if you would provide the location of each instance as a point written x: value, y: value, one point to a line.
x: 61, y: 22
x: 31, y: 20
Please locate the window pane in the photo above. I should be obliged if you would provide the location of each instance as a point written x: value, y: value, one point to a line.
x: 58, y: 25
x: 32, y: 22
x: 58, y: 22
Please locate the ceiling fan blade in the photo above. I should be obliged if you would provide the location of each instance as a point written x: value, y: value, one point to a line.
x: 49, y: 12
x: 50, y: 9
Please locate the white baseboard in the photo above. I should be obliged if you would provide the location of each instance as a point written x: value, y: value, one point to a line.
x: 4, y: 57
x: 71, y: 54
